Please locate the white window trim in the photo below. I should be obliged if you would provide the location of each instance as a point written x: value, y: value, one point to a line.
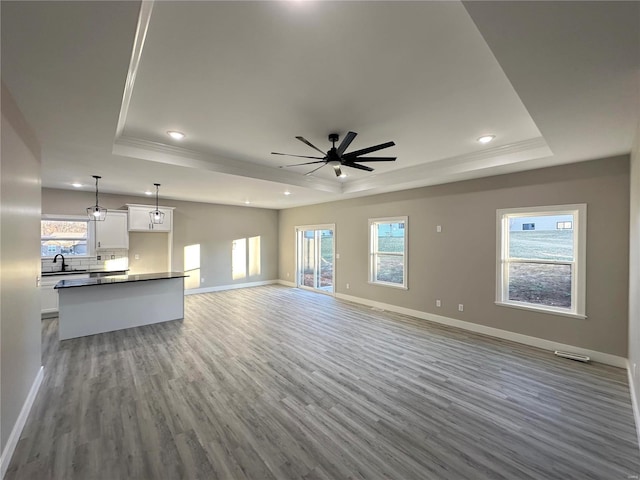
x: 578, y: 284
x: 74, y: 218
x: 405, y: 254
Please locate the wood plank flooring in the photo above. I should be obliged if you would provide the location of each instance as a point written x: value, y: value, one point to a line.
x: 280, y: 383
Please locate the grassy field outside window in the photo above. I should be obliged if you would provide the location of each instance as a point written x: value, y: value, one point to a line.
x: 541, y: 258
x: 388, y: 251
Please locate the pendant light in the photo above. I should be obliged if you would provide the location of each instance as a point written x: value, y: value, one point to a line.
x: 96, y: 213
x: 156, y: 215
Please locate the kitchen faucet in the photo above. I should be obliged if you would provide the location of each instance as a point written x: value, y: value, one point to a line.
x: 55, y: 259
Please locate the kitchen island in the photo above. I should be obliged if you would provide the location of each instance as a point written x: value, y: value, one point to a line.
x: 103, y: 304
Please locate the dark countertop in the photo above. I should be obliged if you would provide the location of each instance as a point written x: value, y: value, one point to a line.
x: 120, y: 271
x: 88, y: 282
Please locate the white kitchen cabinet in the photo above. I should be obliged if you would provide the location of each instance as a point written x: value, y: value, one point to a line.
x: 49, y: 295
x: 139, y: 220
x: 112, y: 233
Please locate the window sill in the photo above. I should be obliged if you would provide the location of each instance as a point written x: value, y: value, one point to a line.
x: 392, y: 285
x: 549, y: 311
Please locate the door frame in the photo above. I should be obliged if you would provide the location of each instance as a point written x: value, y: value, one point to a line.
x: 298, y: 232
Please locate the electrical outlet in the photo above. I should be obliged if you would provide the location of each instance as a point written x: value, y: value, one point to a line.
x: 202, y: 280
x: 337, y: 256
x: 347, y: 286
x: 287, y: 274
x: 439, y: 228
x: 113, y: 257
x: 460, y: 307
x: 438, y: 303
x: 634, y: 370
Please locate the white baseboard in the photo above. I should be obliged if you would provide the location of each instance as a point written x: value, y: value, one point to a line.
x: 492, y: 332
x: 233, y: 286
x: 287, y: 284
x: 12, y: 442
x: 634, y: 400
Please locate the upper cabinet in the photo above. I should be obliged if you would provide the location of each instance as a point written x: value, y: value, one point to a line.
x: 112, y: 233
x: 140, y: 221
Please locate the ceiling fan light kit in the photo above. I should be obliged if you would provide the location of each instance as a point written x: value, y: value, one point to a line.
x: 337, y: 158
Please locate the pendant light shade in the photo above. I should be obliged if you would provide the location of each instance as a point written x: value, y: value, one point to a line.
x: 156, y: 215
x: 96, y: 213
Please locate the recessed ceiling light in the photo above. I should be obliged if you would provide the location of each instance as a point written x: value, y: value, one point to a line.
x: 287, y: 192
x: 148, y: 192
x: 247, y: 202
x: 77, y: 185
x: 175, y: 135
x: 486, y: 138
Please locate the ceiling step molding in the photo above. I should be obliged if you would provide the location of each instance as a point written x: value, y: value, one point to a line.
x: 144, y: 18
x: 183, y: 157
x: 455, y: 168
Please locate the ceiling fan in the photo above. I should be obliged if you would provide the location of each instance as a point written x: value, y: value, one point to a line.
x: 337, y: 158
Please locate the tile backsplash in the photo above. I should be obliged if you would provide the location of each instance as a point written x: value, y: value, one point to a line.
x: 109, y: 260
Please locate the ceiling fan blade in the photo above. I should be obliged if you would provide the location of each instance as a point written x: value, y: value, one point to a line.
x: 359, y: 167
x: 314, y: 170
x: 299, y: 156
x: 346, y: 141
x: 298, y: 164
x: 373, y: 159
x: 364, y: 151
x: 304, y: 140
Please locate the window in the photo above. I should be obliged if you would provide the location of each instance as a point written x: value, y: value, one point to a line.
x: 542, y: 268
x: 388, y: 251
x: 67, y: 235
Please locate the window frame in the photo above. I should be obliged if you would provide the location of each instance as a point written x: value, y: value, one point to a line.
x: 578, y: 270
x: 72, y: 218
x: 373, y: 255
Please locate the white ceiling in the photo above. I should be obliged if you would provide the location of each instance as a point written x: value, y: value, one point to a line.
x: 102, y: 82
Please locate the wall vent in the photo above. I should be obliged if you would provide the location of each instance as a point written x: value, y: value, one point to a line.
x: 573, y: 356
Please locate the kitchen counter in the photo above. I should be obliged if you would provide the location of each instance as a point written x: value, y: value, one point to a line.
x: 88, y: 306
x: 108, y: 280
x: 81, y: 272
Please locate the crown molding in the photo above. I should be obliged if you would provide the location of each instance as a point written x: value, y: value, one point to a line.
x: 138, y: 44
x: 453, y: 168
x: 183, y: 157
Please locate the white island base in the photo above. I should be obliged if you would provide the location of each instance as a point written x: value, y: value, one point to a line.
x: 90, y: 309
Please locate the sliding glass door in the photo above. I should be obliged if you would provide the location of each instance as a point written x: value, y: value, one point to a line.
x: 315, y: 257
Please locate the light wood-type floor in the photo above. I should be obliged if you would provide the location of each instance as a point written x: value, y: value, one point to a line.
x: 274, y: 382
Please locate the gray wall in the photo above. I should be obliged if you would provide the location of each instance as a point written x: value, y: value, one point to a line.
x: 634, y: 267
x: 459, y: 264
x: 20, y: 258
x: 152, y: 251
x: 214, y: 227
